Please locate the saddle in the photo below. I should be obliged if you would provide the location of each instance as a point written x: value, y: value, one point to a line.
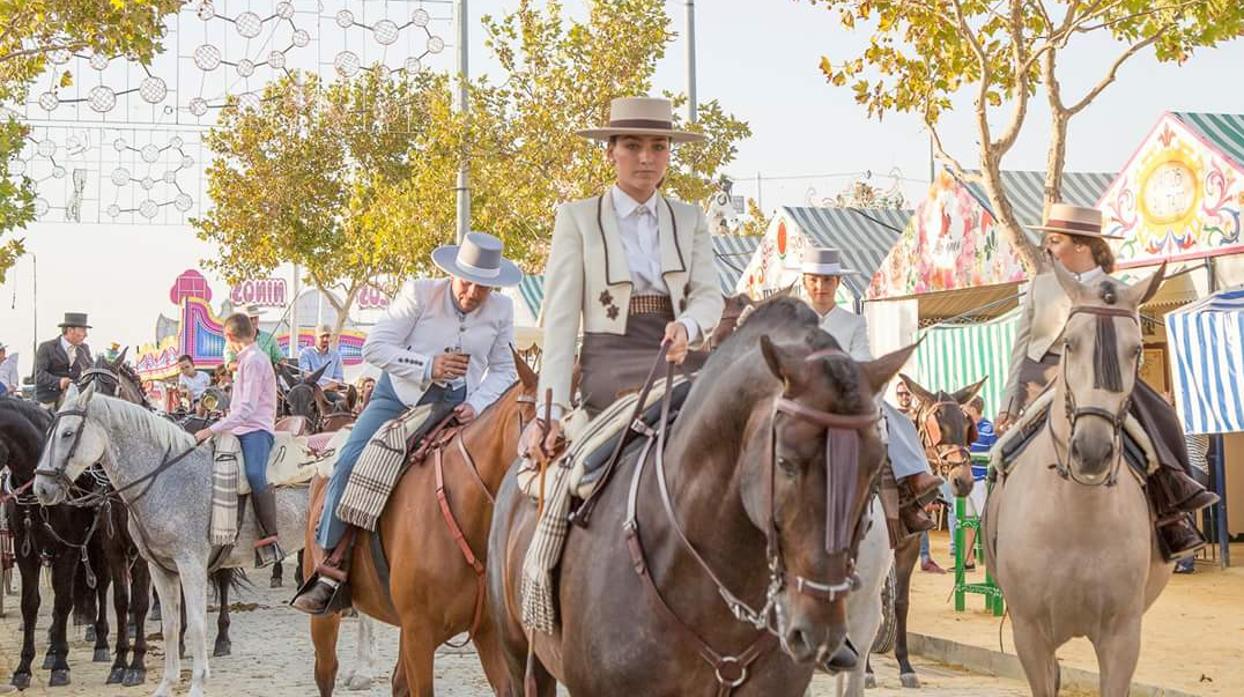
x: 291, y: 462
x: 594, y: 441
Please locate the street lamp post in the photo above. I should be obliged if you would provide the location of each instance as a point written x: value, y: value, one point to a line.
x: 463, y: 188
x: 692, y: 116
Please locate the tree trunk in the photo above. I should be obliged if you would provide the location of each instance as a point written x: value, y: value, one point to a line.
x: 1004, y: 215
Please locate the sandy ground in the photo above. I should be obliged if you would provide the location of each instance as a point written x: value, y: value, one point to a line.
x: 1193, y: 635
x: 272, y: 658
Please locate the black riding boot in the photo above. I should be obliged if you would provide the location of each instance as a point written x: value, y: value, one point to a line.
x: 325, y: 591
x: 267, y: 551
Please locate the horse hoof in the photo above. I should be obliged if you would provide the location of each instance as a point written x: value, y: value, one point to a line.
x: 870, y: 682
x: 60, y: 678
x: 101, y: 655
x: 223, y: 648
x: 89, y: 635
x: 135, y: 676
x: 275, y: 583
x: 20, y: 680
x: 358, y: 682
x: 49, y: 661
x: 116, y: 677
x: 910, y: 680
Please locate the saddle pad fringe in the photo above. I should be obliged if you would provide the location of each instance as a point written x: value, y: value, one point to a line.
x: 377, y: 470
x: 225, y: 471
x: 539, y: 608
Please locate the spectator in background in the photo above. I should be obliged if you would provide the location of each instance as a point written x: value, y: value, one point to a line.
x: 190, y: 381
x: 365, y: 386
x: 905, y: 405
x: 265, y: 342
x: 322, y: 354
x: 9, y: 382
x: 985, y: 436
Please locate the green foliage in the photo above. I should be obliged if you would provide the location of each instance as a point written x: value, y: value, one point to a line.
x: 921, y: 53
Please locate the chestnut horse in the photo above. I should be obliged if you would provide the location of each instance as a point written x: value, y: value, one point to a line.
x: 434, y: 592
x: 946, y: 434
x: 752, y: 510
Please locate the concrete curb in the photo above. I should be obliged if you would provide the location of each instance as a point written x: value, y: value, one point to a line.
x: 1005, y: 665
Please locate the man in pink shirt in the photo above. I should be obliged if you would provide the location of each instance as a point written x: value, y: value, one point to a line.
x: 252, y: 418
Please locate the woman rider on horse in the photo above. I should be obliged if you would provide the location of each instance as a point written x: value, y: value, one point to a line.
x: 1074, y: 237
x: 632, y: 267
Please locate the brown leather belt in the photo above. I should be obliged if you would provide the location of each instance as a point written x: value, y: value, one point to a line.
x: 651, y: 305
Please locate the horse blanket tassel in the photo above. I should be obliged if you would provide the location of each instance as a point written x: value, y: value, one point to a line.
x: 539, y: 608
x: 224, y: 521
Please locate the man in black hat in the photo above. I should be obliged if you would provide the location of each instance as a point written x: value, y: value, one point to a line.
x: 59, y: 362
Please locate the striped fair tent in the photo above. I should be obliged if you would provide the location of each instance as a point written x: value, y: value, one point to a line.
x: 732, y: 252
x: 952, y: 356
x: 863, y: 235
x: 1206, y: 341
x: 1026, y: 192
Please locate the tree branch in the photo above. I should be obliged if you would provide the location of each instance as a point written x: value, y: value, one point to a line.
x: 956, y: 167
x: 1086, y: 28
x: 41, y: 50
x: 1016, y: 26
x: 1113, y: 73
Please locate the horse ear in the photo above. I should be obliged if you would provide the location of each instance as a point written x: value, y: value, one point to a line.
x: 966, y: 394
x: 314, y: 378
x: 83, y: 396
x: 778, y: 359
x: 526, y: 375
x: 878, y: 373
x: 1142, y: 292
x: 1071, y: 286
x: 918, y: 391
x: 120, y: 358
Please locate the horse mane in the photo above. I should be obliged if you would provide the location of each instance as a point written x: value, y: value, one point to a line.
x: 38, y: 416
x: 20, y: 436
x: 167, y: 434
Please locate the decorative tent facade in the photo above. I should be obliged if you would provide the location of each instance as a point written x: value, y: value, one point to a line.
x: 864, y: 236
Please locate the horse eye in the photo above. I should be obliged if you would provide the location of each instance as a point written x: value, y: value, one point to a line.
x: 66, y: 434
x: 788, y: 467
x: 1069, y: 346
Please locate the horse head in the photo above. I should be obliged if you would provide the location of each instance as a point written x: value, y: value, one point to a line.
x: 810, y: 469
x: 946, y: 431
x: 74, y: 443
x: 306, y: 398
x: 1102, y: 344
x: 734, y: 307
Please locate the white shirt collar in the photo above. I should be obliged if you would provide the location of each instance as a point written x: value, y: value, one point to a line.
x: 1089, y: 275
x: 624, y: 205
x: 64, y: 343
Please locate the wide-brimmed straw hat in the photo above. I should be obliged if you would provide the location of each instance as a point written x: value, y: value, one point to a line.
x: 1069, y: 219
x: 641, y: 116
x: 478, y: 260
x: 824, y: 261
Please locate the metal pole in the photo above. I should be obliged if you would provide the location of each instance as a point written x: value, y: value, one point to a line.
x: 463, y: 188
x: 759, y: 202
x: 692, y: 117
x: 1220, y: 460
x: 293, y: 315
x: 34, y: 338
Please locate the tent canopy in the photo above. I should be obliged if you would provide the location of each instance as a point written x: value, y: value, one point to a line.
x: 1206, y: 342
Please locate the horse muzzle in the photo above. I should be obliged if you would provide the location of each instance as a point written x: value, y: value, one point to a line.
x: 49, y: 490
x: 1091, y: 459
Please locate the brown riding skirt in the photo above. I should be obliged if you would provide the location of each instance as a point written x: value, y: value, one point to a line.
x: 616, y: 365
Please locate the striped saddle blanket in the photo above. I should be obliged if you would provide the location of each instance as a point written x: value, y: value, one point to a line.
x: 382, y: 461
x: 291, y: 463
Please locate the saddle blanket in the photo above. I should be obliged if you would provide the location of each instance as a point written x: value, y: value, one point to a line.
x: 379, y: 466
x: 1138, y: 450
x: 592, y: 443
x: 291, y: 463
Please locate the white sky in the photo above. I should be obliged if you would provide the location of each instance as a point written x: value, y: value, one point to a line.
x: 758, y: 57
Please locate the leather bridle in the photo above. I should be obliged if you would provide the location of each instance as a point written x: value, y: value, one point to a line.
x: 1075, y: 413
x: 945, y: 456
x: 842, y: 537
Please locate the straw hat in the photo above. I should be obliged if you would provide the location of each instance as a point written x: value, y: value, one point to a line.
x: 1068, y: 219
x: 641, y: 116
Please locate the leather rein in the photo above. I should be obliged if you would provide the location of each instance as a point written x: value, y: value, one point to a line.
x: 731, y: 671
x: 1074, y: 412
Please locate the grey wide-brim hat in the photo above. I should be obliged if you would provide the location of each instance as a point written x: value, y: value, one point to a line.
x: 824, y: 261
x: 478, y: 260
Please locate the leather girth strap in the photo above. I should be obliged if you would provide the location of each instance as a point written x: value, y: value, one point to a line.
x: 455, y: 530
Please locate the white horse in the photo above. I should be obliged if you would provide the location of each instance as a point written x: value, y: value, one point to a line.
x: 166, y: 482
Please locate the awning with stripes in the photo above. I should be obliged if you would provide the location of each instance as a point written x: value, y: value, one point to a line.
x: 864, y: 236
x: 953, y: 356
x: 732, y: 252
x: 1206, y: 345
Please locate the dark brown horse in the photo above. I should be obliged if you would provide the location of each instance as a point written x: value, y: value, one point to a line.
x: 435, y: 585
x: 946, y: 433
x: 757, y: 497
